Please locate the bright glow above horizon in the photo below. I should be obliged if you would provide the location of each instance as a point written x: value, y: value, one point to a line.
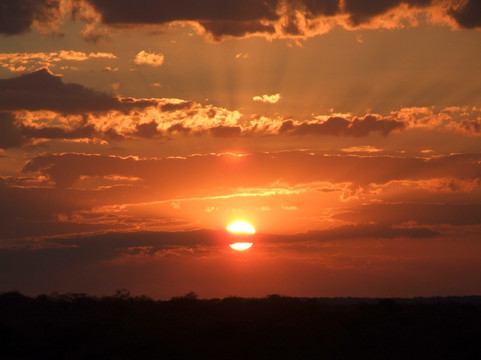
x: 241, y: 246
x: 241, y: 227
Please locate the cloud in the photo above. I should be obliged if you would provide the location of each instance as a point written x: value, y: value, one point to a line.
x: 146, y: 58
x: 10, y: 134
x: 286, y: 18
x: 65, y: 193
x: 360, y: 231
x: 219, y: 19
x: 339, y: 126
x: 44, y: 107
x: 271, y: 99
x: 29, y: 61
x: 155, y: 12
x: 41, y: 90
x: 362, y: 11
x: 418, y: 213
x: 221, y: 29
x: 362, y: 149
x: 469, y: 15
x: 19, y: 16
x: 15, y: 134
x: 110, y: 245
x: 255, y: 170
x: 147, y: 130
x: 242, y: 56
x: 225, y: 131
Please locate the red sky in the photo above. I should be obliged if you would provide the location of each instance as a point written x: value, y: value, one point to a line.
x: 132, y: 133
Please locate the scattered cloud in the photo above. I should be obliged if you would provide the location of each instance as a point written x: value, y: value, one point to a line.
x: 242, y: 56
x: 271, y: 99
x: 149, y: 58
x: 361, y: 149
x: 109, y: 69
x: 340, y: 126
x: 40, y: 104
x: 17, y: 62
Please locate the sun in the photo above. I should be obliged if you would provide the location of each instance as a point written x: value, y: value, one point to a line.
x: 241, y: 246
x: 241, y: 227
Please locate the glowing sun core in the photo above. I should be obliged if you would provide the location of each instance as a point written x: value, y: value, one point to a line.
x: 241, y: 227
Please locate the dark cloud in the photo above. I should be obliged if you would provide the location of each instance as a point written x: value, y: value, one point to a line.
x: 316, y: 7
x: 225, y: 131
x: 219, y: 17
x: 10, y: 133
x: 17, y: 16
x: 360, y: 231
x: 87, y: 131
x: 183, y: 105
x: 178, y: 128
x: 108, y: 245
x: 254, y: 170
x: 41, y: 90
x: 232, y: 18
x: 426, y: 214
x: 108, y: 259
x: 118, y: 241
x: 15, y: 134
x: 148, y: 130
x: 338, y: 126
x: 158, y: 12
x: 361, y: 11
x: 33, y: 211
x: 219, y: 29
x: 469, y: 16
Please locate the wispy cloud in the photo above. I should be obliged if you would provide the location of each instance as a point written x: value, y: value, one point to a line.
x: 271, y: 99
x: 16, y: 62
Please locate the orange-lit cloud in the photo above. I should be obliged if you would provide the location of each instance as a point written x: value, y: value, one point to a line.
x: 271, y: 99
x: 287, y: 18
x: 149, y: 58
x: 16, y: 62
x: 223, y: 19
x: 361, y: 149
x: 40, y: 105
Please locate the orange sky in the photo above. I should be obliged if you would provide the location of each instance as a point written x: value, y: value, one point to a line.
x: 347, y: 133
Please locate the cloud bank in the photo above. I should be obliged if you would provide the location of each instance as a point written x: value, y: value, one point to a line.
x: 229, y: 18
x: 287, y: 18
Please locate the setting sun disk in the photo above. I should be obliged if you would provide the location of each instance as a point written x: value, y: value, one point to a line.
x: 240, y: 246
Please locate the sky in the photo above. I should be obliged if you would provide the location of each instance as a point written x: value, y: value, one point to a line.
x: 346, y: 132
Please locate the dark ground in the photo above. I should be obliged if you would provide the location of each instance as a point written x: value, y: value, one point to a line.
x: 77, y: 326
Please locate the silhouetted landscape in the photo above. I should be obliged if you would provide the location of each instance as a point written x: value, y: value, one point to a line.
x: 78, y: 326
